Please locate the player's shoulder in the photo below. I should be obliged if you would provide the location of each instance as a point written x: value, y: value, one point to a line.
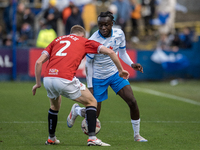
x: 95, y: 35
x: 118, y: 32
x: 117, y: 29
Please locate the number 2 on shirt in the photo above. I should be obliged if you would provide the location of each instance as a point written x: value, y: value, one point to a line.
x: 67, y: 44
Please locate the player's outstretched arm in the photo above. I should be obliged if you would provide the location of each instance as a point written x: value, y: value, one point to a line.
x: 38, y: 69
x: 122, y: 73
x: 125, y: 57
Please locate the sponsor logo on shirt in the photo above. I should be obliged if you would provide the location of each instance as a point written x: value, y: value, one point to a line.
x: 53, y: 71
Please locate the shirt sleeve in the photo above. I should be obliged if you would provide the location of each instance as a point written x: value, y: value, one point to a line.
x: 92, y: 46
x: 89, y: 71
x: 90, y: 57
x: 45, y: 52
x: 125, y: 57
x: 48, y: 49
x: 122, y: 51
x: 123, y: 39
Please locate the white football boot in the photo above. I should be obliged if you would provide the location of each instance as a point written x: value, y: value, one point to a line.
x: 139, y: 138
x: 52, y: 141
x: 96, y: 142
x: 72, y: 116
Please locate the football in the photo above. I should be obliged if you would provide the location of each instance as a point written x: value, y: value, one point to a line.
x: 85, y: 128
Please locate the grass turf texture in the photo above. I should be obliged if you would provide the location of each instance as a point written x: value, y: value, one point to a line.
x: 165, y: 122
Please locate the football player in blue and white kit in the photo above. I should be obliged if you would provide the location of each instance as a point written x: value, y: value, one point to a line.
x: 101, y: 72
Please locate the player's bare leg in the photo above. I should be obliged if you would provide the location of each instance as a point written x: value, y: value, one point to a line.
x: 86, y: 98
x: 126, y: 94
x: 98, y: 109
x: 55, y: 104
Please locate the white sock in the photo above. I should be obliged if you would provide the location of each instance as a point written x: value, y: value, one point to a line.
x: 136, y: 126
x: 78, y: 110
x: 52, y: 138
x: 92, y: 137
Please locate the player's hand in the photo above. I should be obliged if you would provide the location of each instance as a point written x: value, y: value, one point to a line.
x: 137, y: 67
x: 35, y: 88
x: 124, y: 74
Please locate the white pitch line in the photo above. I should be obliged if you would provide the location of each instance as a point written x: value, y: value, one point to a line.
x: 62, y: 122
x: 157, y: 93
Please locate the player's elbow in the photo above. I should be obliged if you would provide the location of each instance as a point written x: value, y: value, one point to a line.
x: 38, y: 62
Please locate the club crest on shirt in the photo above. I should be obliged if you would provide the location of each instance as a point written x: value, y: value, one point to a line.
x: 115, y: 41
x: 111, y: 47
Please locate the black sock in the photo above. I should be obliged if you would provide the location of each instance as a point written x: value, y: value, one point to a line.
x: 52, y: 122
x: 91, y: 119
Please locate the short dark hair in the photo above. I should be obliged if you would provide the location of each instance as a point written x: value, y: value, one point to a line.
x: 77, y: 29
x: 107, y: 14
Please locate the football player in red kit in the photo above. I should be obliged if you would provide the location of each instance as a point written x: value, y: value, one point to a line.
x: 64, y: 55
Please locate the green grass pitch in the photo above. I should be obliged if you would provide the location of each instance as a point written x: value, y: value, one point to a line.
x: 170, y: 119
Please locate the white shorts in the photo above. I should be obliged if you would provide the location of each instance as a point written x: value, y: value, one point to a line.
x: 59, y: 86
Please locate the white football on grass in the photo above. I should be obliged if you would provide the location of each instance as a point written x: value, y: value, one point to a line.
x: 85, y: 128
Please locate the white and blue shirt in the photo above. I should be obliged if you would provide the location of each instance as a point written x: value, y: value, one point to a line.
x: 103, y: 66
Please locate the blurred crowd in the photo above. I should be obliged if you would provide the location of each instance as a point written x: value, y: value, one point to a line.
x: 24, y: 25
x: 156, y: 17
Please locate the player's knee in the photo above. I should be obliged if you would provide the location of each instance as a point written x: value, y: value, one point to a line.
x: 55, y: 104
x: 131, y: 102
x: 55, y: 107
x: 93, y: 102
x: 90, y: 102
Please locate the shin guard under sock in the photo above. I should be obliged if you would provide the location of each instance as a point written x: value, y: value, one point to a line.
x: 52, y: 122
x: 91, y: 119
